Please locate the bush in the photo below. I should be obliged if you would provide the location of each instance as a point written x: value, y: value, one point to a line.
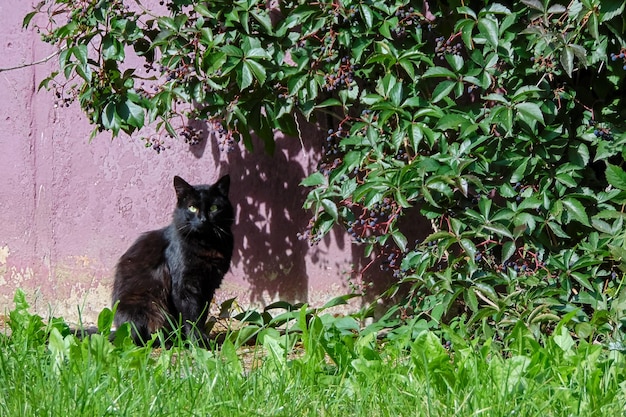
x: 503, y: 124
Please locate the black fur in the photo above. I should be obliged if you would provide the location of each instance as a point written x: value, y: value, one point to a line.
x: 169, y: 276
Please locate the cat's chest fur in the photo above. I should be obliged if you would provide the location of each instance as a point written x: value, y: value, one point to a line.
x: 197, y: 261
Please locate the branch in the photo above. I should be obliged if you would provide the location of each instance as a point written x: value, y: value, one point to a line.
x: 30, y: 64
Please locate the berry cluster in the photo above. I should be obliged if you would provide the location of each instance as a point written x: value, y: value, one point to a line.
x: 372, y: 222
x: 327, y: 48
x: 601, y: 132
x: 544, y: 63
x: 226, y: 140
x: 343, y: 76
x: 621, y: 55
x: 308, y: 235
x: 391, y: 259
x: 524, y: 261
x: 445, y: 46
x: 406, y: 19
x: 63, y: 98
x: 402, y: 155
x: 191, y: 135
x: 148, y: 92
x: 331, y: 152
x: 180, y: 73
x: 156, y: 143
x: 346, y: 15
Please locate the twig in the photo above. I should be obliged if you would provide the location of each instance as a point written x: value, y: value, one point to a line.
x: 30, y: 64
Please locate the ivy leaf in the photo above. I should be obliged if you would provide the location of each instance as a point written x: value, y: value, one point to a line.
x: 508, y: 249
x: 442, y: 90
x: 530, y: 113
x: 244, y: 76
x: 576, y: 210
x: 439, y: 72
x: 611, y: 9
x: 131, y: 113
x: 28, y: 18
x: 567, y: 60
x: 468, y: 247
x: 257, y: 70
x: 331, y: 208
x: 400, y: 239
x: 534, y: 4
x: 313, y: 180
x: 112, y: 49
x: 368, y: 15
x: 488, y: 27
x: 499, y: 230
x: 110, y: 119
x: 615, y: 176
x: 232, y: 50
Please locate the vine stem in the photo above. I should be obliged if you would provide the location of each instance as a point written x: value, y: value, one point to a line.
x: 30, y: 64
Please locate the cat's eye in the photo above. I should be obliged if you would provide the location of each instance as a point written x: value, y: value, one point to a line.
x: 213, y: 208
x: 193, y: 209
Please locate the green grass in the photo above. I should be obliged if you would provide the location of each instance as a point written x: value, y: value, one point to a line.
x: 321, y: 367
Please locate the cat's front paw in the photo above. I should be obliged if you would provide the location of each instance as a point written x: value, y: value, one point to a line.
x: 197, y: 337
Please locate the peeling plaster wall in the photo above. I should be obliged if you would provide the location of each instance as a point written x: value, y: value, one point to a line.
x: 70, y: 208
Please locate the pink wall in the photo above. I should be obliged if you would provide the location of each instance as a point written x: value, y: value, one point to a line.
x: 70, y: 208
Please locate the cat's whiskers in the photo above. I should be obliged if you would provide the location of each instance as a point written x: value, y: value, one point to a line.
x: 184, y: 230
x: 220, y: 231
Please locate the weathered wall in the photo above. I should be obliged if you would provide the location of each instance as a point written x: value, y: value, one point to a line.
x: 69, y: 208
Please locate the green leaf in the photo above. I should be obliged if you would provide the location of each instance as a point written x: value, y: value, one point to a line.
x: 28, y: 18
x: 257, y: 70
x: 468, y: 247
x: 563, y: 339
x: 328, y: 103
x: 520, y: 170
x: 112, y: 49
x: 313, y: 180
x: 131, y: 113
x: 611, y: 9
x: 105, y: 321
x: 338, y: 301
x: 439, y: 72
x: 534, y: 4
x: 530, y: 112
x: 367, y: 14
x: 442, y: 90
x: 499, y: 230
x: 508, y: 249
x: 488, y: 27
x: 232, y: 50
x: 567, y: 60
x: 400, y: 239
x: 456, y: 62
x: 331, y: 208
x: 244, y: 76
x: 615, y: 176
x: 395, y: 94
x: 576, y: 210
x: 110, y: 119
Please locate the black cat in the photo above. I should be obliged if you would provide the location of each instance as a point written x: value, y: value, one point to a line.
x: 168, y: 276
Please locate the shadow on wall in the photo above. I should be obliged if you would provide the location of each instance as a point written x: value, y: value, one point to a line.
x: 266, y: 193
x: 268, y: 253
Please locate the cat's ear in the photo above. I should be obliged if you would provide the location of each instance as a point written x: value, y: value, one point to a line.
x: 181, y: 186
x: 223, y: 185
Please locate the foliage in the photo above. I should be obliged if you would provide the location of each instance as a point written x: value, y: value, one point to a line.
x: 319, y: 365
x: 499, y: 125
